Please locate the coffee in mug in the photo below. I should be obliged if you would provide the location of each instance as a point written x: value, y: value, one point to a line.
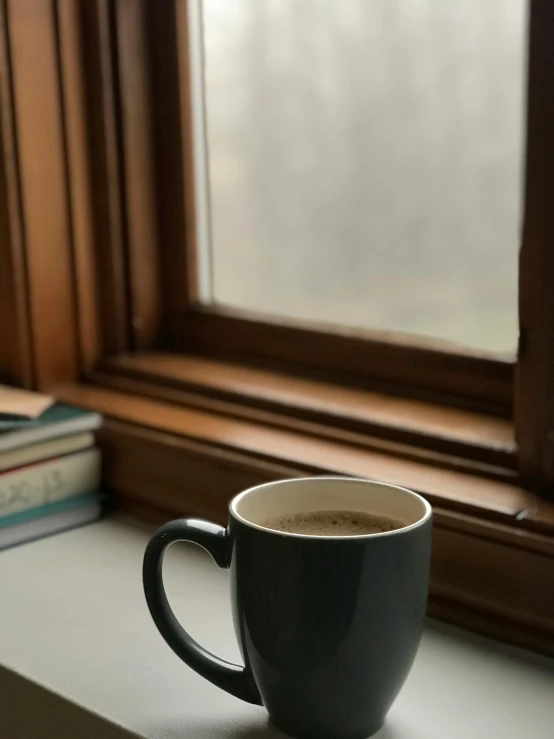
x: 332, y: 523
x: 328, y: 625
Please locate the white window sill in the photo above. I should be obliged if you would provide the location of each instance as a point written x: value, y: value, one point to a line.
x: 79, y: 655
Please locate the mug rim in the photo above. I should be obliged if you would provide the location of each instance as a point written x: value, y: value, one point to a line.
x: 340, y: 478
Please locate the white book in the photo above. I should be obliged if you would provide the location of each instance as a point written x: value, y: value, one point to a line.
x: 49, y: 481
x: 45, y: 450
x: 35, y: 528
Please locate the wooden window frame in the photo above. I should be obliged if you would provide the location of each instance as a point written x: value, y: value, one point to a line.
x: 98, y: 301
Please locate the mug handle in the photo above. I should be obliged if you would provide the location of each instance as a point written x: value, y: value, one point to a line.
x: 235, y: 679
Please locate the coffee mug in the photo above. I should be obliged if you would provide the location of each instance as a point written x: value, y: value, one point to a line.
x: 328, y: 626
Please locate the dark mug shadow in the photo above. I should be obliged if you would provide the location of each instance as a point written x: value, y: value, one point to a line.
x: 271, y: 732
x: 261, y: 729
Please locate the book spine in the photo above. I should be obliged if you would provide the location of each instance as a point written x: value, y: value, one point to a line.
x: 49, y: 481
x: 13, y: 519
x: 48, y: 525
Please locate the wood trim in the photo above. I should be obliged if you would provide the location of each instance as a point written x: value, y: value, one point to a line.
x: 503, y: 629
x: 484, y: 574
x: 503, y: 502
x: 79, y: 175
x: 157, y: 194
x: 43, y: 189
x: 171, y: 116
x: 105, y: 159
x: 16, y: 361
x: 183, y: 51
x: 408, y: 369
x: 137, y: 153
x: 244, y: 391
x: 453, y: 579
x: 279, y: 420
x: 534, y: 400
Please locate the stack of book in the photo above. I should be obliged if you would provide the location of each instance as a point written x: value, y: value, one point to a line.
x: 49, y: 473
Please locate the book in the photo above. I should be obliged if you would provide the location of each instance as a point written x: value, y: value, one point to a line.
x: 18, y: 405
x: 48, y: 508
x: 57, y: 421
x: 49, y: 481
x: 88, y: 509
x: 44, y: 450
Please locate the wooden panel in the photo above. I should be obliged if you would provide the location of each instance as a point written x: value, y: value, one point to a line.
x: 99, y: 48
x: 535, y: 371
x: 16, y: 364
x: 362, y: 357
x: 486, y: 439
x: 490, y: 624
x: 156, y: 167
x: 477, y: 581
x: 185, y: 95
x: 418, y: 448
x: 173, y: 158
x: 79, y: 182
x: 136, y: 109
x: 39, y: 130
x: 159, y: 482
x: 503, y: 502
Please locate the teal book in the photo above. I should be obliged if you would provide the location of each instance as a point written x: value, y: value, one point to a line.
x: 82, y: 510
x: 48, y: 509
x: 58, y: 420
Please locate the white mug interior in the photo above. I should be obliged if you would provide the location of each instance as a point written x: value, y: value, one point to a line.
x: 285, y: 497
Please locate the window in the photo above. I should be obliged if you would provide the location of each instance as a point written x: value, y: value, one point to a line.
x: 119, y: 292
x: 352, y: 269
x: 363, y: 163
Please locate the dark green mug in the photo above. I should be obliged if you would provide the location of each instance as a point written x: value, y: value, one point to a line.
x: 328, y: 626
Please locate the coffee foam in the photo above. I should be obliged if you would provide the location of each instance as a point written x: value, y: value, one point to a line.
x: 332, y: 523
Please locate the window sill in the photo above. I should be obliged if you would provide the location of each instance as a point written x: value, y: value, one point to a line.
x: 493, y: 541
x: 93, y: 664
x: 337, y: 410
